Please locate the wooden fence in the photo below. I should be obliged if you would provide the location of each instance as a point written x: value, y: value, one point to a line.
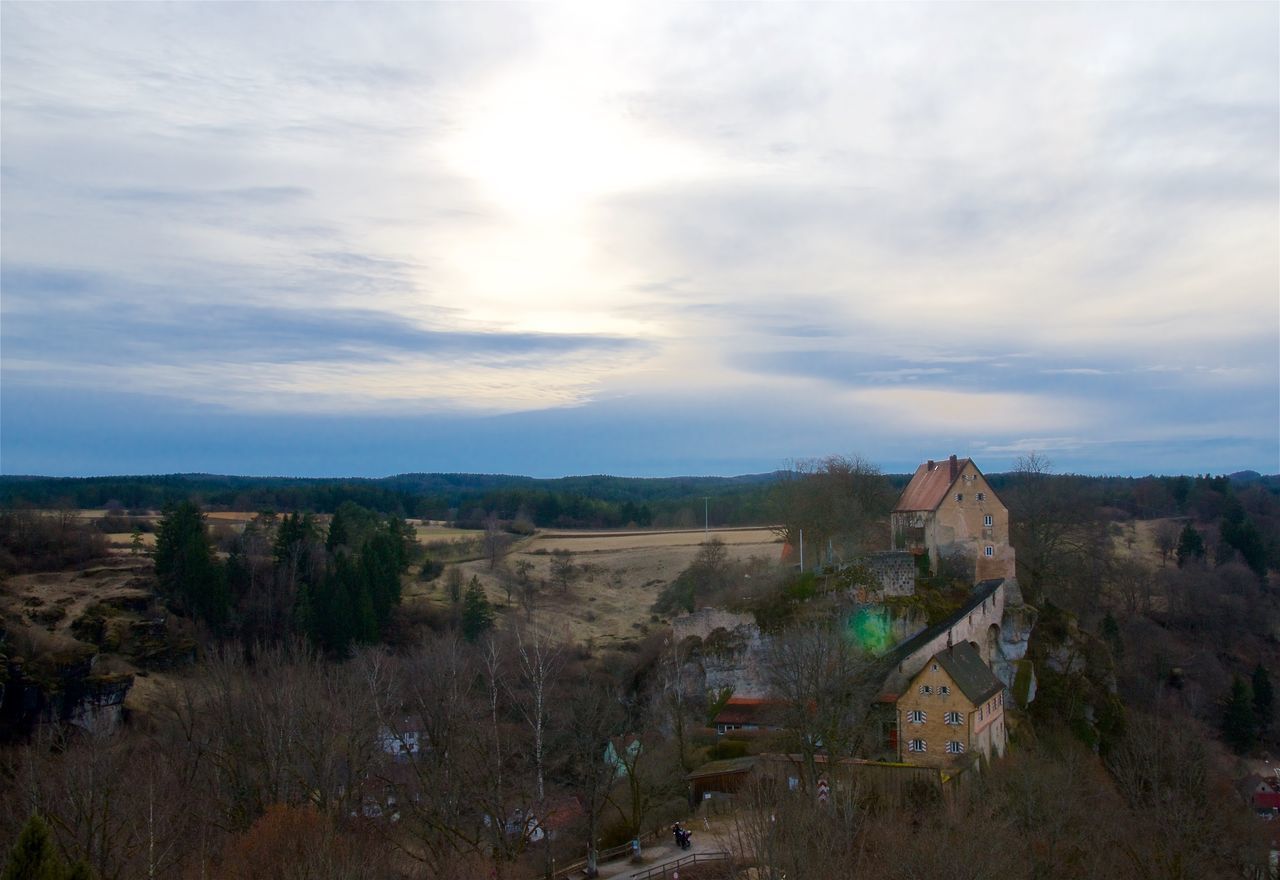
x: 667, y: 869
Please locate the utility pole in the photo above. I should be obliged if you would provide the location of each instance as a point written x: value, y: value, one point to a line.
x: 706, y: 516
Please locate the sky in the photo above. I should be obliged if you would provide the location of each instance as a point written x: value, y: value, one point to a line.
x: 366, y: 239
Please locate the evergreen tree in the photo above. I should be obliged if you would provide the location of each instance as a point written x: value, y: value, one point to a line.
x: 1241, y: 535
x: 78, y: 871
x: 1239, y: 725
x: 1111, y: 633
x: 1190, y: 545
x: 34, y: 856
x: 477, y: 614
x: 304, y: 617
x: 1263, y: 697
x: 338, y: 533
x: 188, y: 571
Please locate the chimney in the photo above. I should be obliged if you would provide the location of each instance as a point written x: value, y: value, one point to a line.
x: 929, y: 466
x: 955, y: 468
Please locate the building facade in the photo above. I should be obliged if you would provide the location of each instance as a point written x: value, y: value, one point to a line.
x: 952, y: 710
x: 948, y: 510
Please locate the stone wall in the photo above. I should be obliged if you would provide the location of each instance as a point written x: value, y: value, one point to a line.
x: 894, y: 570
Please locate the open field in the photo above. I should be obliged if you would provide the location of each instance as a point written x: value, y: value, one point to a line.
x: 623, y: 573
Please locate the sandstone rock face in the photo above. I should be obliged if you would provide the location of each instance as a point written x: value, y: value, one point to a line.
x: 1015, y: 633
x: 68, y: 692
x: 99, y: 706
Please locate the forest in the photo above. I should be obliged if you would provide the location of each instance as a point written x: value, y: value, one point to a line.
x: 322, y: 726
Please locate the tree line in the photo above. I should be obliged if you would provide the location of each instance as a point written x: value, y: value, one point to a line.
x: 287, y: 576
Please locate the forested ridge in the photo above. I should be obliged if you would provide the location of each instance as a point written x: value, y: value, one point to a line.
x: 598, y: 501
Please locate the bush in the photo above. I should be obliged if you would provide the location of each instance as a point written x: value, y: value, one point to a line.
x: 726, y: 749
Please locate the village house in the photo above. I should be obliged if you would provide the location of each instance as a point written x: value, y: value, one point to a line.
x: 747, y: 714
x: 947, y: 510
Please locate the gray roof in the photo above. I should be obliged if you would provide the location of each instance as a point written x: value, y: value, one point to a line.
x: 896, y: 681
x: 970, y: 674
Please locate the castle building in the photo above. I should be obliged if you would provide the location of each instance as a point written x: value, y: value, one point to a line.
x: 952, y: 709
x: 948, y: 510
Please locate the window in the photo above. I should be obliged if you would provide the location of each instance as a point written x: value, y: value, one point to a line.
x: 986, y: 520
x: 935, y: 667
x: 944, y: 690
x: 915, y: 745
x: 979, y: 713
x: 959, y: 496
x: 916, y: 716
x: 989, y: 551
x: 954, y: 718
x: 982, y: 496
x: 955, y: 748
x: 925, y: 689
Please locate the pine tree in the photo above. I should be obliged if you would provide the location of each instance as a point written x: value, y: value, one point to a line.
x: 1239, y: 725
x: 34, y: 856
x: 1190, y: 545
x: 1263, y: 697
x: 477, y: 614
x: 338, y: 533
x: 186, y: 567
x: 1111, y: 633
x: 78, y: 871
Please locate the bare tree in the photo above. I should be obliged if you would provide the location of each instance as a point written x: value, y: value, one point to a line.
x: 594, y: 717
x: 1050, y: 518
x: 825, y: 685
x: 1167, y: 533
x: 496, y: 542
x: 835, y: 501
x: 564, y: 573
x: 539, y: 657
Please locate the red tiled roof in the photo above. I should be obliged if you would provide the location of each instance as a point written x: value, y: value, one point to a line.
x: 746, y: 711
x: 1266, y: 800
x: 930, y: 484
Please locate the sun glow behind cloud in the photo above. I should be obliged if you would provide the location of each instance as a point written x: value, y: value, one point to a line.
x: 1030, y: 222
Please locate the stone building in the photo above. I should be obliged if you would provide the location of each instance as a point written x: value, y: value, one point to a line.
x: 949, y: 510
x: 952, y: 710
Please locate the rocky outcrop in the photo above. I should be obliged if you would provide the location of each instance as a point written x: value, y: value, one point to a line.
x: 62, y: 689
x: 1016, y: 626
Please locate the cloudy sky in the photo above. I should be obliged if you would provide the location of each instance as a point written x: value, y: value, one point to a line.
x: 328, y: 239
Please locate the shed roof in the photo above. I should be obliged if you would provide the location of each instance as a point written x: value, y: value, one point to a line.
x: 966, y: 668
x: 724, y: 767
x: 747, y: 711
x: 930, y: 484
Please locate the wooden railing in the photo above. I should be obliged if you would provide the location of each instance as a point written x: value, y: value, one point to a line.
x: 666, y: 869
x: 605, y: 855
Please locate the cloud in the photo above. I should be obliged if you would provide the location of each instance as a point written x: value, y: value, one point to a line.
x: 913, y: 225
